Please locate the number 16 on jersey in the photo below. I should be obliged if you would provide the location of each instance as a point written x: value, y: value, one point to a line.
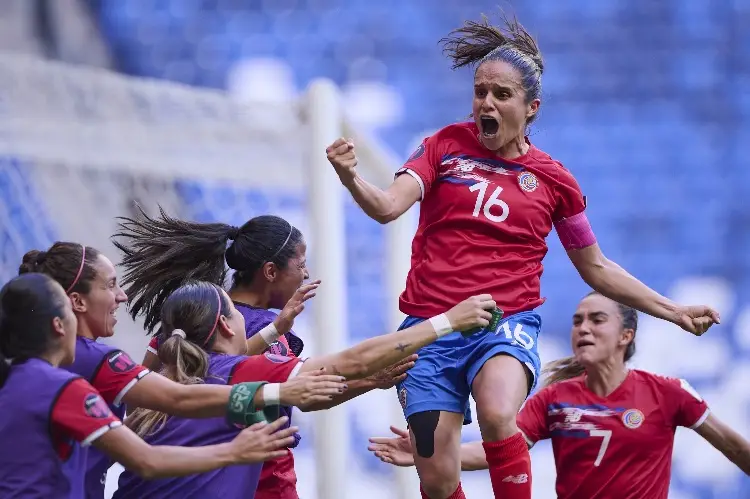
x: 492, y: 201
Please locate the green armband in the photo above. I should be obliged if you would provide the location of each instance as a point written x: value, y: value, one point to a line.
x: 497, y: 315
x: 241, y: 410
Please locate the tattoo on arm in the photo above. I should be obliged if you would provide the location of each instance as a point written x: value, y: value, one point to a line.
x: 401, y: 347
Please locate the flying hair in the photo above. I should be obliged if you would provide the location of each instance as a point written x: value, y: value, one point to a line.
x: 476, y: 40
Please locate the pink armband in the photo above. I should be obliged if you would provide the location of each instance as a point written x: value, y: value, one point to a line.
x: 575, y: 232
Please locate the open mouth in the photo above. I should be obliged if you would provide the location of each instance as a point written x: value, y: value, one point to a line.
x: 490, y: 126
x: 584, y: 343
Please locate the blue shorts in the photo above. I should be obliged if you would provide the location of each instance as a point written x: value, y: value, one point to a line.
x: 442, y: 377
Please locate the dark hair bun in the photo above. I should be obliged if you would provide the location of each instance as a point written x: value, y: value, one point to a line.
x: 31, y: 261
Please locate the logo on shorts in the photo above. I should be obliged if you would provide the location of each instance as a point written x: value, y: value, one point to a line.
x: 528, y: 181
x: 120, y: 362
x: 276, y: 359
x: 95, y: 406
x: 633, y: 418
x: 402, y: 397
x: 418, y: 153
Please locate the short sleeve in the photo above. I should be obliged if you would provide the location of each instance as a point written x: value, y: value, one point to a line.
x: 424, y: 163
x: 532, y: 419
x: 570, y: 201
x: 117, y: 374
x: 688, y: 407
x: 153, y: 345
x: 81, y: 413
x: 267, y: 367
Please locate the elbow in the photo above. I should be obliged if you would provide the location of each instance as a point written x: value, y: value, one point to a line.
x: 146, y: 468
x: 385, y: 218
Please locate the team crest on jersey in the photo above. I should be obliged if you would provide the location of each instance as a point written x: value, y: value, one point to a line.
x: 402, y: 397
x: 418, y: 153
x: 633, y: 418
x: 276, y: 359
x: 94, y: 406
x: 120, y: 362
x: 528, y: 181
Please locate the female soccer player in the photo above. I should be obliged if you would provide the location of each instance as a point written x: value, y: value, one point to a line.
x: 489, y: 198
x: 612, y: 428
x: 268, y: 256
x: 191, y: 354
x: 91, y: 282
x: 47, y: 408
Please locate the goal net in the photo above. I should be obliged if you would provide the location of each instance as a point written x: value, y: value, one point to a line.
x: 79, y: 146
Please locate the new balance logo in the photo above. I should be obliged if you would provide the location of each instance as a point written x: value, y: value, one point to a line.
x: 522, y: 478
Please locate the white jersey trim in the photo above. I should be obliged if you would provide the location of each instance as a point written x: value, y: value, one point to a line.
x: 152, y: 350
x: 98, y: 433
x: 416, y: 177
x: 296, y: 369
x: 126, y: 389
x: 701, y: 420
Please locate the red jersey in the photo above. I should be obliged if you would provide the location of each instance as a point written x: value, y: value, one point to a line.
x: 483, y: 222
x: 617, y: 447
x: 277, y: 478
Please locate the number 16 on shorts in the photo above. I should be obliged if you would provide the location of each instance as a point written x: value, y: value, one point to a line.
x: 517, y: 335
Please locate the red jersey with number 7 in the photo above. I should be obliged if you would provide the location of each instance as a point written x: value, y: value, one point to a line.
x: 483, y: 222
x: 617, y: 446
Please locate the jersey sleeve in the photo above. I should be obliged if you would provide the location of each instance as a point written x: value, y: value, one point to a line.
x: 532, y: 419
x: 688, y: 407
x: 424, y: 163
x: 267, y: 367
x: 81, y: 413
x: 153, y: 345
x: 570, y: 201
x: 117, y: 374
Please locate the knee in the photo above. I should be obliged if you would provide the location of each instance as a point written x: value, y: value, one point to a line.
x: 498, y: 419
x: 439, y: 477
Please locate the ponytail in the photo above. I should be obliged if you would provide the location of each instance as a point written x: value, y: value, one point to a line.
x: 182, y: 362
x: 561, y: 370
x: 161, y: 254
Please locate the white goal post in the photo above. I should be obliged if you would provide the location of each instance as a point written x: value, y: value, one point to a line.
x: 79, y: 145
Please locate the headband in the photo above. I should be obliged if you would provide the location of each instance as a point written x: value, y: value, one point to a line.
x: 291, y: 229
x: 80, y: 270
x: 216, y: 321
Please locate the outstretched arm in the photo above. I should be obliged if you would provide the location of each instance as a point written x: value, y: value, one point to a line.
x: 376, y: 353
x: 612, y: 281
x: 727, y: 441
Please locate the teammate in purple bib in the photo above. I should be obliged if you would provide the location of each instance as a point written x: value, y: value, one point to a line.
x: 54, y: 409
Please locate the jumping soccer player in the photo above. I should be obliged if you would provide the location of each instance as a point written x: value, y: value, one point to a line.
x: 489, y: 198
x: 191, y: 353
x: 612, y: 428
x: 268, y: 256
x: 90, y: 280
x: 47, y: 409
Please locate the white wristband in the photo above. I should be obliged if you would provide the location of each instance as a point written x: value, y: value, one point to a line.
x: 269, y: 334
x: 271, y: 394
x: 441, y: 324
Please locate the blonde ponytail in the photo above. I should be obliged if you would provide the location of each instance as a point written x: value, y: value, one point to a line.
x: 561, y: 370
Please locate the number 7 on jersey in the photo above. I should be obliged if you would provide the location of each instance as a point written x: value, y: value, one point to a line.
x: 606, y: 436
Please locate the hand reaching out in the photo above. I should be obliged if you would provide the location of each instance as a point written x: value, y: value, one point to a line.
x: 388, y: 377
x: 393, y: 450
x: 296, y: 304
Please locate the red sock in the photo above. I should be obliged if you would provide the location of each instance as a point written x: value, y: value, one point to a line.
x: 458, y: 494
x: 510, y: 467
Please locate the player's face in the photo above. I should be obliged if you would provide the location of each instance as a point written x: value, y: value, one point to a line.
x: 597, y: 335
x: 289, y: 279
x: 236, y: 322
x: 499, y: 107
x: 103, y: 300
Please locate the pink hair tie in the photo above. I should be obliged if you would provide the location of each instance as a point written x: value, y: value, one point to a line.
x: 216, y: 322
x: 80, y: 270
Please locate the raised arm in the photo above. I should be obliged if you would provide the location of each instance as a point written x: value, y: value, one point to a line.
x: 614, y: 282
x: 727, y: 441
x: 376, y: 353
x: 382, y: 206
